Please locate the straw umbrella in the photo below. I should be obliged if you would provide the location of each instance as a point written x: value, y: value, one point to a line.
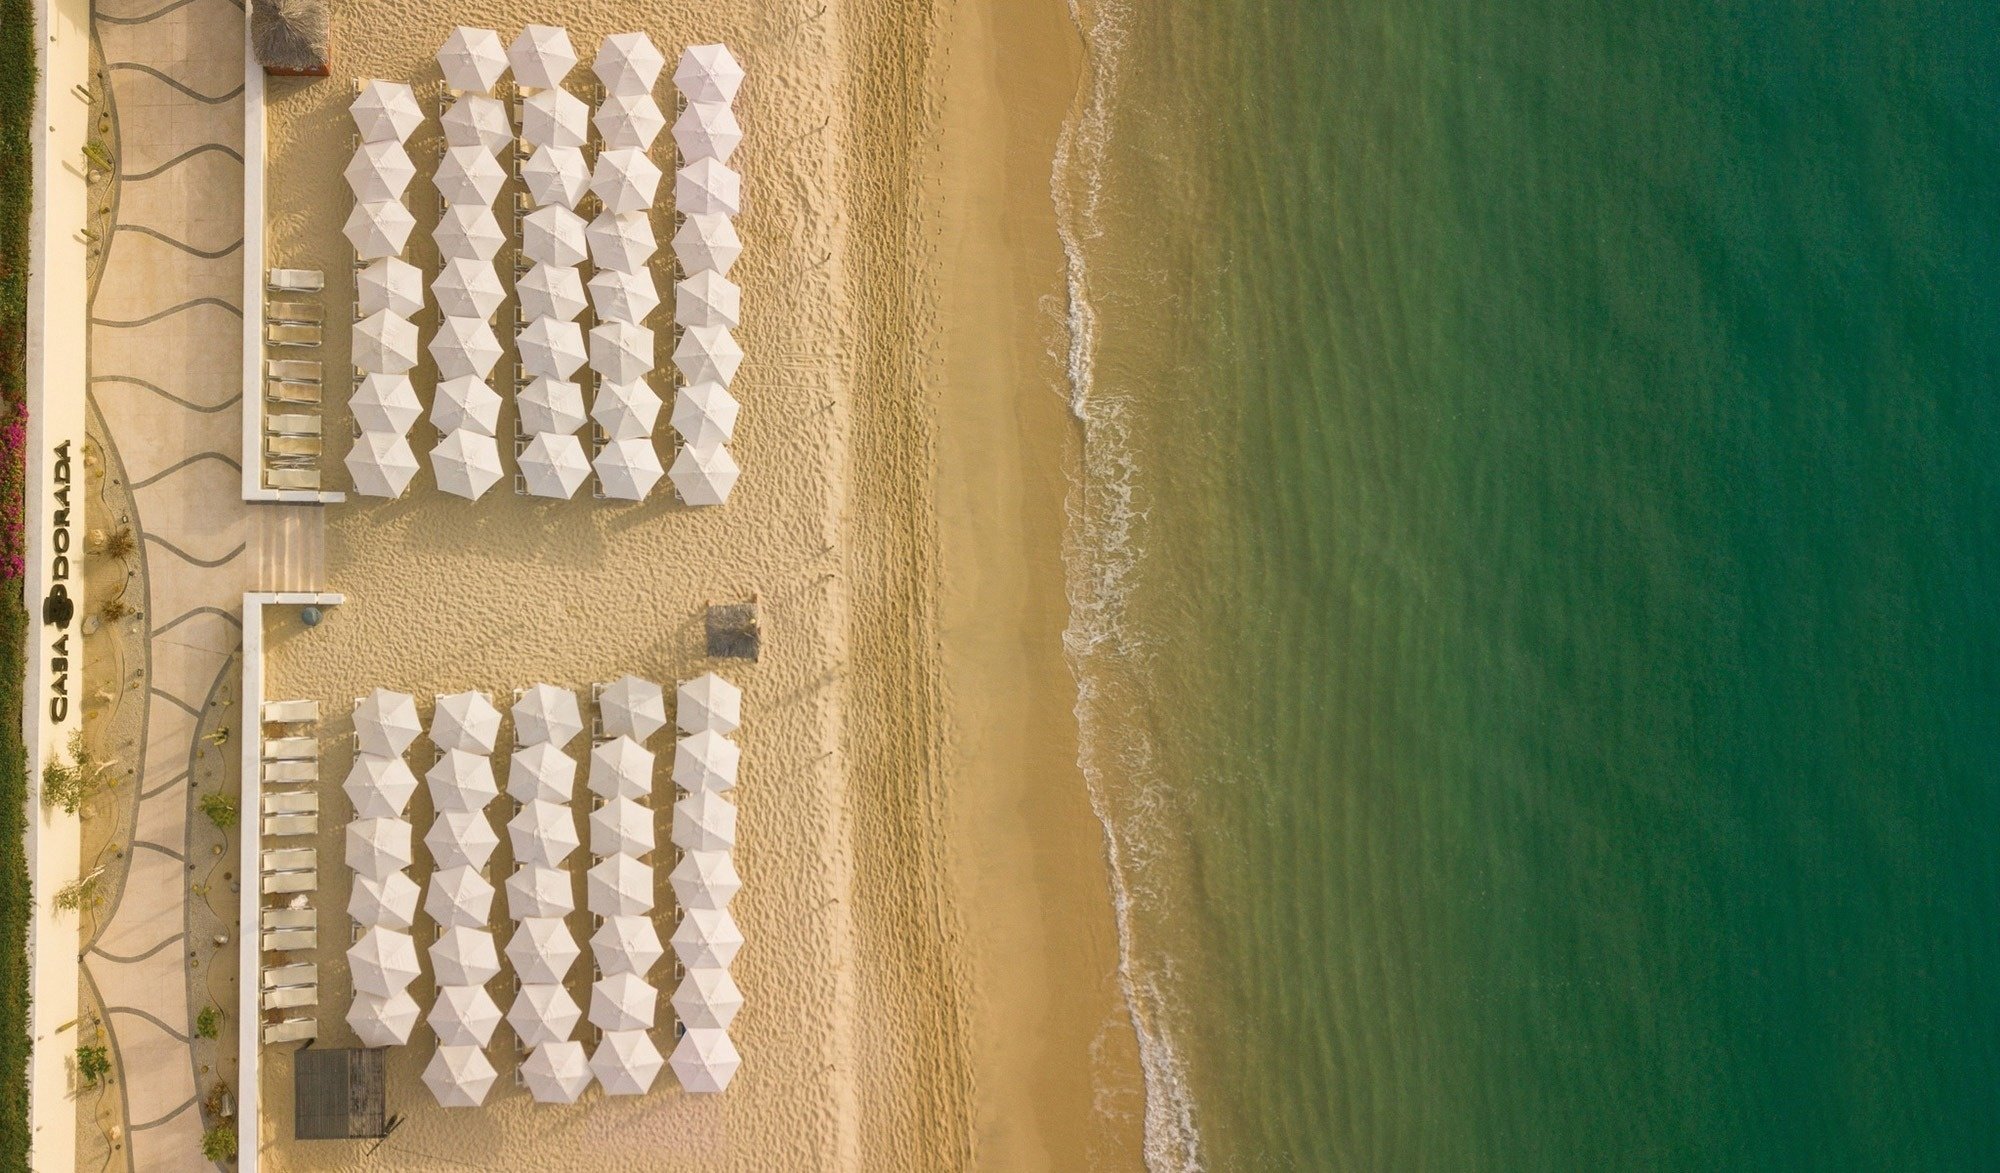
x: 459, y: 896
x: 386, y: 112
x: 629, y: 121
x: 706, y: 761
x: 621, y: 351
x: 379, y: 228
x: 466, y: 464
x: 626, y: 411
x: 385, y: 343
x: 704, y: 476
x: 555, y: 118
x: 388, y: 902
x: 464, y: 347
x: 461, y: 781
x: 386, y: 722
x: 547, y: 713
x: 543, y: 1014
x: 623, y: 1001
x: 464, y: 1016
x: 707, y: 241
x: 626, y: 1062
x: 633, y: 707
x: 625, y: 179
x: 621, y: 827
x: 461, y: 839
x: 705, y: 1060
x: 550, y: 291
x: 556, y: 176
x: 467, y: 721
x: 541, y: 771
x: 383, y: 1022
x: 708, y: 354
x: 707, y: 999
x: 627, y: 944
x: 622, y: 242
x: 705, y: 415
x: 392, y: 284
x: 539, y: 891
x: 552, y: 405
x: 379, y: 785
x: 704, y: 821
x: 707, y: 298
x: 542, y: 833
x: 550, y: 347
x: 556, y: 1072
x: 553, y: 235
x: 379, y: 171
x: 707, y: 130
x: 469, y: 231
x: 621, y: 768
x: 708, y: 703
x: 541, y: 56
x: 475, y: 121
x: 554, y: 464
x: 706, y: 187
x: 469, y: 175
x: 707, y: 937
x: 618, y: 885
x: 383, y: 962
x: 381, y: 464
x: 459, y: 1077
x: 466, y: 402
x: 542, y: 950
x: 705, y: 879
x: 386, y: 404
x: 464, y: 956
x: 472, y: 59
x: 468, y: 289
x: 628, y: 63
x: 708, y: 73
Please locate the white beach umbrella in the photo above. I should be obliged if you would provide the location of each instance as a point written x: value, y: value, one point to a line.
x: 708, y: 73
x: 627, y: 944
x: 628, y: 63
x: 707, y: 999
x: 542, y: 950
x: 379, y: 228
x: 552, y: 405
x: 554, y: 464
x: 705, y: 415
x: 625, y: 179
x: 469, y: 175
x: 389, y: 283
x: 542, y: 833
x: 621, y: 351
x: 550, y: 347
x: 386, y: 722
x: 708, y: 703
x: 553, y: 235
x: 467, y: 721
x: 707, y: 130
x: 623, y: 1001
x: 708, y: 354
x: 706, y: 187
x: 550, y: 291
x: 384, y: 343
x: 466, y: 288
x: 705, y: 879
x: 556, y: 176
x: 626, y: 411
x: 622, y: 242
x: 379, y: 171
x: 705, y: 1060
x: 707, y: 298
x: 383, y: 1022
x: 461, y: 839
x: 388, y: 902
x: 466, y: 464
x: 387, y: 404
x: 707, y: 938
x: 381, y: 464
x: 469, y: 231
x: 472, y: 59
x: 629, y: 121
x: 621, y: 768
x: 704, y: 821
x: 704, y: 476
x: 623, y: 297
x: 379, y: 785
x: 475, y: 121
x: 459, y: 896
x: 459, y: 1077
x: 383, y: 962
x: 464, y: 1016
x: 464, y: 346
x: 556, y: 1072
x: 707, y: 241
x: 547, y: 713
x: 626, y: 1062
x: 463, y: 956
x: 621, y: 827
x: 541, y: 56
x: 555, y: 118
x: 541, y: 771
x: 543, y: 1014
x: 631, y: 706
x: 706, y: 761
x: 618, y: 885
x: 461, y: 781
x: 539, y: 891
x: 466, y: 402
x: 386, y: 111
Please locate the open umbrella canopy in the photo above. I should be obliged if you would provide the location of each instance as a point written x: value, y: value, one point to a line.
x: 479, y: 122
x: 381, y: 464
x: 541, y: 56
x: 633, y: 707
x: 628, y: 63
x: 629, y: 120
x: 379, y: 228
x: 708, y: 73
x: 705, y: 1060
x: 386, y: 722
x: 547, y: 713
x: 466, y: 288
x: 380, y: 171
x: 626, y: 1062
x: 392, y: 284
x: 464, y: 1016
x: 539, y: 891
x: 707, y: 241
x: 464, y: 347
x: 550, y: 347
x: 556, y: 176
x: 387, y: 404
x: 704, y: 476
x: 461, y: 781
x: 707, y: 130
x: 626, y: 411
x: 706, y: 761
x: 542, y: 950
x: 555, y: 118
x: 386, y: 111
x: 556, y: 1072
x: 618, y: 886
x: 550, y: 291
x: 707, y: 188
x: 621, y: 768
x: 382, y: 962
x: 552, y: 405
x: 627, y: 944
x: 459, y: 1077
x: 383, y: 1022
x: 707, y: 999
x: 469, y: 231
x: 705, y: 415
x: 623, y: 297
x: 377, y: 847
x: 472, y: 59
x: 542, y: 833
x: 623, y: 1001
x: 621, y: 827
x: 707, y: 298
x: 467, y: 721
x: 705, y: 879
x: 708, y: 354
x: 463, y: 956
x: 461, y: 839
x: 466, y: 464
x: 543, y: 1014
x: 707, y: 937
x: 379, y: 785
x: 553, y: 235
x: 708, y: 703
x: 625, y: 179
x: 466, y: 402
x: 469, y: 175
x: 704, y: 821
x: 389, y: 902
x: 459, y: 896
x: 385, y: 343
x: 541, y: 772
x: 621, y: 351
x: 554, y: 464
x: 622, y: 243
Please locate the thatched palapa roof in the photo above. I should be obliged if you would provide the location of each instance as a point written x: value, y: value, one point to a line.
x: 291, y: 36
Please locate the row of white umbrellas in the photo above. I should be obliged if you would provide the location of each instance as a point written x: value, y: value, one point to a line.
x: 388, y: 290
x: 465, y: 727
x: 704, y: 828
x: 383, y: 898
x: 538, y: 893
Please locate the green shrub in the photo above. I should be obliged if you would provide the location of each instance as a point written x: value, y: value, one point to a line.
x: 219, y: 807
x: 219, y: 1143
x: 82, y: 892
x: 93, y: 1063
x: 208, y: 1023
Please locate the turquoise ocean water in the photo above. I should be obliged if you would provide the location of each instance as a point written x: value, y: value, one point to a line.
x: 1536, y: 579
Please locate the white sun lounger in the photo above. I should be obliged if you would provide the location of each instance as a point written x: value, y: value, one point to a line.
x: 292, y: 478
x: 291, y: 997
x: 288, y: 712
x: 291, y: 748
x: 290, y: 918
x: 303, y: 802
x: 290, y: 859
x: 291, y: 425
x: 293, y: 391
x: 278, y: 826
x: 296, y: 280
x: 283, y: 883
x: 302, y: 973
x: 291, y: 1030
x: 304, y: 770
x: 282, y: 940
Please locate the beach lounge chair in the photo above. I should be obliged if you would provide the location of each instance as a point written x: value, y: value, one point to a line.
x: 301, y: 802
x: 286, y: 883
x: 286, y: 391
x: 296, y: 281
x: 288, y: 859
x: 291, y: 1030
x: 292, y: 478
x: 291, y: 748
x: 286, y: 334
x: 298, y: 973
x: 285, y: 940
x: 289, y: 918
x: 292, y: 370
x: 292, y: 425
x: 288, y: 712
x: 279, y: 826
x: 291, y: 997
x: 292, y: 445
x: 294, y: 312
x: 291, y: 771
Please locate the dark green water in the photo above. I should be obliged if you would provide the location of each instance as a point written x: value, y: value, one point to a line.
x: 1537, y: 594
